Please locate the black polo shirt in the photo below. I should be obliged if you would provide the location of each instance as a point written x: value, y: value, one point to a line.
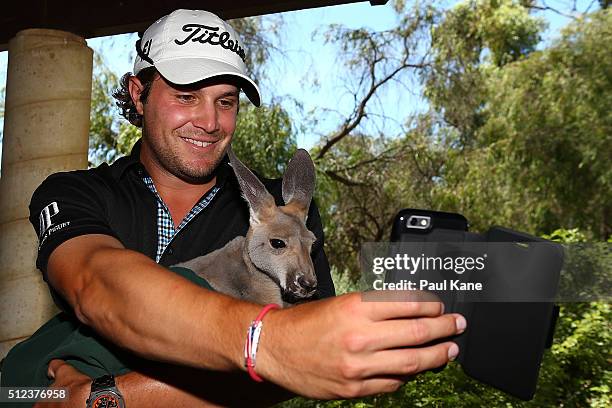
x: 114, y: 200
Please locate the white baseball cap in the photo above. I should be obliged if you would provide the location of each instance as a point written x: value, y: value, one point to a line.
x: 187, y: 46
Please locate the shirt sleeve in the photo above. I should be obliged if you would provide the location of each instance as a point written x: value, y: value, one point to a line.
x: 67, y: 205
x: 325, y: 284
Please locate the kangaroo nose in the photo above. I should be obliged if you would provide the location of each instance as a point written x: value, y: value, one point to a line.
x: 307, y: 283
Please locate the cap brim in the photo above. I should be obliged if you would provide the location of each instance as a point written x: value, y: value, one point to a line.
x: 190, y: 70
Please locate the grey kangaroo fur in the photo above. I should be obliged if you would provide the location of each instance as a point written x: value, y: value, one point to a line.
x: 272, y: 263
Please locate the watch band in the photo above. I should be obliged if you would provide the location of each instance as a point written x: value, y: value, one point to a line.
x: 104, y: 394
x: 100, y: 383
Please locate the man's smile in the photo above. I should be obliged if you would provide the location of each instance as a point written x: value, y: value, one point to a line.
x: 198, y: 143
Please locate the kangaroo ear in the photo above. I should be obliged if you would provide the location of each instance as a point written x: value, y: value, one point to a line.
x: 299, y: 181
x: 253, y: 190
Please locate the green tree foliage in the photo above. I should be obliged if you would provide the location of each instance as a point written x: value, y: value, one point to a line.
x: 470, y: 39
x: 364, y: 181
x: 264, y: 139
x: 109, y: 137
x: 353, y: 180
x: 546, y: 138
x: 260, y: 37
x: 576, y: 371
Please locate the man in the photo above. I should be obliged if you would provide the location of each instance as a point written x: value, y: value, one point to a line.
x: 105, y: 234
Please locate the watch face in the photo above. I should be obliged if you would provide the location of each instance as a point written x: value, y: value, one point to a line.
x: 107, y: 400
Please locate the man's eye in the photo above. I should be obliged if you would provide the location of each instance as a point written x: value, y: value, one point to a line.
x: 185, y: 97
x: 226, y: 103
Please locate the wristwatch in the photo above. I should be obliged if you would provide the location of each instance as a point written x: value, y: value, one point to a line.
x: 104, y: 393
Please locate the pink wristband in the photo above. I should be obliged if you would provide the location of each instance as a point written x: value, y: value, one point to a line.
x: 252, y: 341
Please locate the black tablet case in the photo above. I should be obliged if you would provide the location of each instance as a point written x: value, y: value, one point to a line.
x: 505, y: 341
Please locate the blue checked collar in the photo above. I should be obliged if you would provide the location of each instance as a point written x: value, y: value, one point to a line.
x: 165, y: 226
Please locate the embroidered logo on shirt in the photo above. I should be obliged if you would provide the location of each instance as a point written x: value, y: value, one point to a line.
x: 46, y: 226
x: 45, y: 217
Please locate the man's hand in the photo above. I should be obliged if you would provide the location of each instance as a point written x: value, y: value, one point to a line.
x: 349, y: 347
x: 76, y: 383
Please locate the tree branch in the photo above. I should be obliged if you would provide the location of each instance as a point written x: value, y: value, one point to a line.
x: 360, y: 112
x: 545, y: 7
x: 347, y: 182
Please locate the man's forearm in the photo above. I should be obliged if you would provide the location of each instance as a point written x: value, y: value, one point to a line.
x: 341, y: 347
x: 175, y: 386
x: 147, y: 309
x: 162, y: 385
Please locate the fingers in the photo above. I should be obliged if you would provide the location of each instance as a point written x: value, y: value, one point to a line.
x: 413, y: 361
x: 60, y: 368
x: 413, y: 304
x: 390, y: 347
x: 371, y: 345
x: 370, y: 386
x: 404, y: 362
x: 387, y: 370
x: 54, y: 365
x: 402, y: 333
x: 390, y: 334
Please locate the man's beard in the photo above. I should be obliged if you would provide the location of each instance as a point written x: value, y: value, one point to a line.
x: 188, y: 173
x: 170, y: 160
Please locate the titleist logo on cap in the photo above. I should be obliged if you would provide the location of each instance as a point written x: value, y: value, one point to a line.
x: 146, y: 49
x: 209, y: 35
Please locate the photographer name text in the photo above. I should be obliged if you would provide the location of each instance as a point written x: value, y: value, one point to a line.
x: 424, y: 284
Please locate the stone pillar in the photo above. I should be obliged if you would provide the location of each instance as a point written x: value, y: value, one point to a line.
x: 46, y: 129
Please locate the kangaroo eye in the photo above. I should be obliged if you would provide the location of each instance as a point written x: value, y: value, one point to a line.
x: 277, y: 243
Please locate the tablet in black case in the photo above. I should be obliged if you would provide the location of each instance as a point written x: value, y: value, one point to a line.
x: 505, y: 340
